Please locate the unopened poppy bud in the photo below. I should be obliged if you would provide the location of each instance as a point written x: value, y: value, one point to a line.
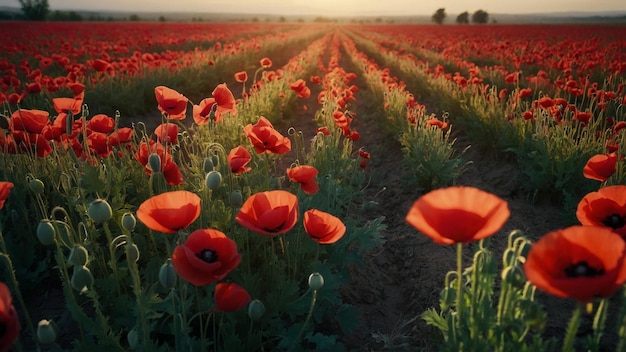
x: 154, y: 162
x: 291, y: 131
x: 215, y: 159
x: 523, y: 249
x: 99, y: 211
x: 236, y: 199
x: 207, y: 165
x: 129, y: 222
x: 78, y: 256
x: 316, y: 281
x: 256, y: 309
x: 447, y: 298
x: 167, y: 275
x: 514, y: 275
x: 82, y: 280
x: 46, y: 332
x: 36, y: 186
x: 509, y: 257
x: 46, y: 232
x: 132, y: 252
x: 213, y: 180
x: 133, y: 339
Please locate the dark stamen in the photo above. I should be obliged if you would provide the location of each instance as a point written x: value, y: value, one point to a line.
x: 582, y: 269
x: 3, y: 329
x: 614, y: 221
x: 275, y: 229
x: 208, y: 255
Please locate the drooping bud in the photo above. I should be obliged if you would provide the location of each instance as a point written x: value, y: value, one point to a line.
x: 36, y: 186
x: 46, y: 232
x: 78, y: 256
x: 154, y: 162
x: 514, y: 275
x: 82, y: 280
x: 167, y: 275
x: 236, y: 199
x: 129, y: 222
x: 256, y: 309
x: 46, y: 332
x: 132, y: 252
x: 133, y: 339
x: 213, y: 180
x: 316, y: 281
x: 215, y: 159
x: 99, y: 211
x: 207, y: 165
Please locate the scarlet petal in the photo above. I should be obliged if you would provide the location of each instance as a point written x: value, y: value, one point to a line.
x: 169, y: 212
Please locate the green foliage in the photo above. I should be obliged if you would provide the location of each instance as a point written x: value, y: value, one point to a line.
x: 35, y: 10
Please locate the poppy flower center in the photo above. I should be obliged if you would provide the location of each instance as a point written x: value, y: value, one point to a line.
x: 275, y: 229
x: 3, y: 329
x: 614, y: 221
x: 582, y: 269
x: 208, y: 255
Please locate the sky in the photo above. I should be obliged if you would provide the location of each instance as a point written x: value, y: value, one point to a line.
x: 338, y: 7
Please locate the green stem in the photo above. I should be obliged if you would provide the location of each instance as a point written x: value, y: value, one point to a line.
x: 572, y: 328
x: 599, y: 323
x: 459, y: 282
x: 306, y: 321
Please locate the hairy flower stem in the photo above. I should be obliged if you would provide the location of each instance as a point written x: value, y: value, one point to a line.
x: 306, y: 321
x: 459, y: 283
x: 572, y: 328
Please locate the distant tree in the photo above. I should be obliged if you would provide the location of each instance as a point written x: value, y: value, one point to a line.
x: 378, y: 20
x: 255, y: 19
x: 162, y: 19
x: 463, y: 18
x: 480, y: 17
x: 282, y: 19
x: 35, y: 10
x: 439, y: 16
x: 133, y: 17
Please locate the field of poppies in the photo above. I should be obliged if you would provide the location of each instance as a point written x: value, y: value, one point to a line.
x: 252, y: 187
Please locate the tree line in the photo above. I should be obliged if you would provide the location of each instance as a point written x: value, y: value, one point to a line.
x: 478, y: 17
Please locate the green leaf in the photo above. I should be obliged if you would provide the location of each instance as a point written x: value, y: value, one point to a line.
x: 432, y: 317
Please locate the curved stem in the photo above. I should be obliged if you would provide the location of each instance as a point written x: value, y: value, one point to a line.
x: 306, y: 321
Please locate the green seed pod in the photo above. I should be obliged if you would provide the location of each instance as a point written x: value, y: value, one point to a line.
x: 36, y: 186
x: 129, y: 222
x: 46, y: 232
x: 256, y: 309
x: 133, y: 339
x: 46, y: 332
x: 167, y: 275
x: 207, y: 165
x: 154, y: 162
x: 99, y: 211
x: 132, y: 252
x: 316, y: 281
x: 514, y: 275
x: 82, y: 280
x: 213, y: 180
x: 78, y: 256
x: 236, y: 199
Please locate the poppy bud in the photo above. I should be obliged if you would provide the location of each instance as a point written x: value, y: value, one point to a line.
x: 514, y: 275
x: 213, y: 180
x: 99, y: 211
x: 236, y: 199
x: 132, y: 252
x: 129, y: 222
x: 154, y: 162
x: 215, y: 159
x: 46, y: 332
x: 46, y: 232
x: 256, y: 309
x: 316, y: 281
x: 524, y: 248
x: 133, y: 339
x: 167, y: 275
x: 207, y: 165
x: 78, y: 256
x: 36, y: 186
x: 82, y: 280
x: 291, y: 131
x: 447, y: 298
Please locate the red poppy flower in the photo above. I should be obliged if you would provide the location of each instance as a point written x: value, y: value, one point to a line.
x: 65, y: 105
x: 9, y: 321
x: 121, y: 135
x: 323, y: 227
x: 581, y: 262
x: 230, y: 297
x: 167, y: 133
x: 305, y: 176
x: 100, y: 65
x: 458, y: 214
x: 323, y: 130
x: 5, y: 189
x: 171, y: 102
x: 241, y: 76
x: 269, y: 213
x: 101, y: 123
x: 170, y: 169
x: 238, y: 158
x: 170, y: 211
x: 524, y: 93
x: 225, y: 99
x: 201, y: 111
x: 600, y: 167
x: 206, y: 256
x: 266, y: 62
x: 365, y: 157
x: 300, y: 88
x: 98, y: 144
x: 606, y: 207
x: 31, y: 121
x: 265, y: 138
